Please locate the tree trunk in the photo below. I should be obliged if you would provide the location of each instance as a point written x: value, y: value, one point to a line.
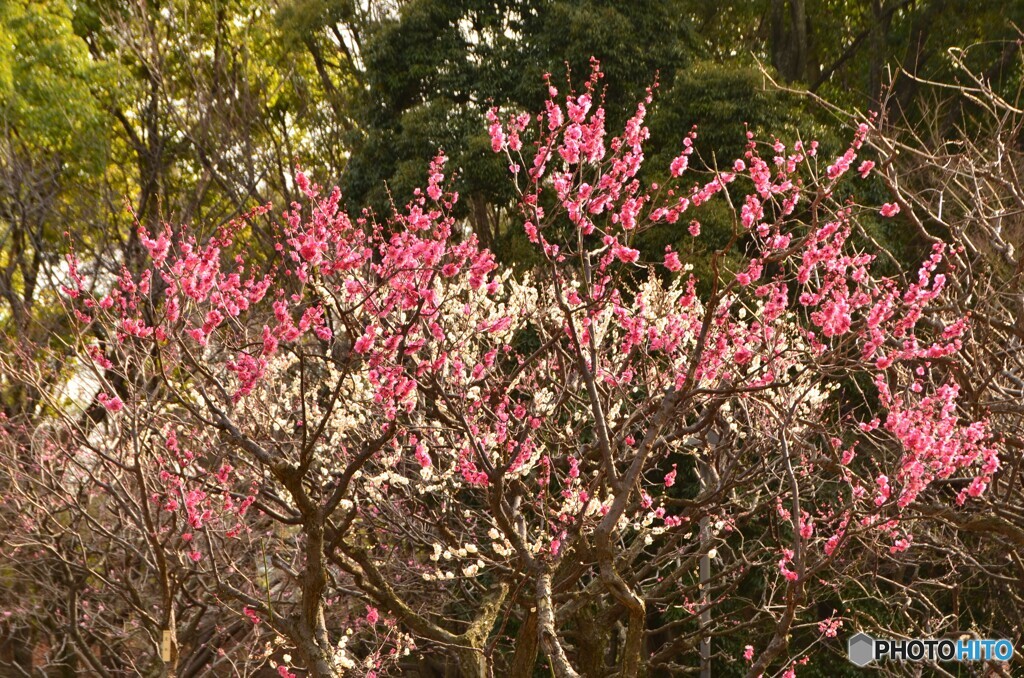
x: 314, y: 644
x: 789, y: 41
x: 547, y: 634
x: 481, y: 220
x: 472, y: 663
x: 315, y: 658
x: 708, y: 480
x: 593, y: 636
x: 525, y: 657
x: 705, y: 614
x: 879, y: 54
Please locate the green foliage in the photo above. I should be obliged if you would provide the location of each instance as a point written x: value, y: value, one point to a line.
x: 723, y: 102
x: 434, y: 69
x: 47, y: 82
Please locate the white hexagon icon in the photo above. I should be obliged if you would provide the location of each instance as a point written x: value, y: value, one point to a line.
x: 861, y: 649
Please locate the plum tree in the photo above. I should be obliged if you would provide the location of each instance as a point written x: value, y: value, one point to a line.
x: 385, y: 451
